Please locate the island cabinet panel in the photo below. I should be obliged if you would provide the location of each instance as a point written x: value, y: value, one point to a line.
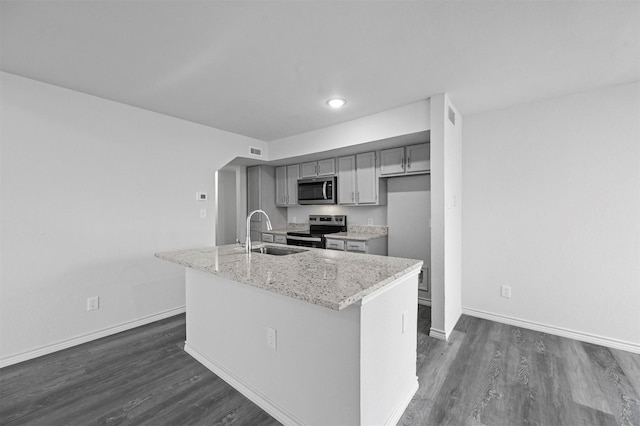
x: 355, y: 366
x: 388, y: 348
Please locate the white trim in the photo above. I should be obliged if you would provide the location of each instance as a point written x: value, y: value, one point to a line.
x: 65, y: 344
x: 438, y: 334
x: 557, y: 331
x: 402, y: 405
x: 276, y: 411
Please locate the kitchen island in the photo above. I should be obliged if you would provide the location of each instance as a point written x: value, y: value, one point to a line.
x: 317, y: 337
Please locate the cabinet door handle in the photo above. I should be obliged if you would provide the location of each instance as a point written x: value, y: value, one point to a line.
x: 408, y: 162
x: 402, y: 163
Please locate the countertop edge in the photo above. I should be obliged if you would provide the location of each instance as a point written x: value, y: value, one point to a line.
x: 334, y: 305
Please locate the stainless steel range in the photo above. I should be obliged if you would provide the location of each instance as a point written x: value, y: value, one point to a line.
x: 319, y: 226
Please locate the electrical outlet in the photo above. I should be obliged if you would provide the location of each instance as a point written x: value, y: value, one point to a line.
x: 272, y: 338
x: 203, y: 213
x: 370, y: 221
x: 93, y: 303
x: 506, y: 291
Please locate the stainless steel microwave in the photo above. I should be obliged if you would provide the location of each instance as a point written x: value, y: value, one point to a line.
x: 320, y: 190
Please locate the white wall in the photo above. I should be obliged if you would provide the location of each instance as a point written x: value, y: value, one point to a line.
x: 355, y: 215
x: 446, y: 221
x: 552, y: 208
x: 403, y: 120
x: 453, y: 196
x: 90, y: 190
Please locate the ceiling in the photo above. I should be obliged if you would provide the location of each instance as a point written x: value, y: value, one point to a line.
x: 265, y: 69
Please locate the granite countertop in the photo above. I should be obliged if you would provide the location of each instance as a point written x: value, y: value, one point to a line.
x: 361, y: 233
x: 276, y: 232
x: 329, y: 278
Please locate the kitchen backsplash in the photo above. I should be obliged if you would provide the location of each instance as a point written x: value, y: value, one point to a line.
x: 355, y: 215
x: 298, y: 227
x: 368, y: 229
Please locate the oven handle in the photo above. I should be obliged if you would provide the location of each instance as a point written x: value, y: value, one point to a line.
x: 324, y: 190
x: 292, y: 237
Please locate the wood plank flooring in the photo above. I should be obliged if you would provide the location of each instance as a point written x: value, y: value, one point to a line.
x: 486, y: 374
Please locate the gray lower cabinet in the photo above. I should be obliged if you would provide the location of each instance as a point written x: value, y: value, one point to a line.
x: 373, y: 246
x: 268, y: 237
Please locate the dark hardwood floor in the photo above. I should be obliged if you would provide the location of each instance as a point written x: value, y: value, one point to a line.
x: 487, y: 373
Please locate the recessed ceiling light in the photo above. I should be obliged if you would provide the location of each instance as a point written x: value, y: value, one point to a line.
x: 336, y: 102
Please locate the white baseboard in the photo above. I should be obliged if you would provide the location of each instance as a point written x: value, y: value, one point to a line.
x: 557, y: 331
x: 65, y: 344
x: 277, y: 412
x: 437, y: 334
x: 403, y: 404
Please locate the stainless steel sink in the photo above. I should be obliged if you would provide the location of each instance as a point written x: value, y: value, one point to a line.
x: 277, y: 251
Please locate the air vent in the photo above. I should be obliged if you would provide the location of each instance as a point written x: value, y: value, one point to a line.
x: 256, y: 151
x: 452, y: 116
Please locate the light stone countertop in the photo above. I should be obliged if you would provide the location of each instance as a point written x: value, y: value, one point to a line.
x: 361, y: 233
x: 328, y: 278
x: 276, y: 232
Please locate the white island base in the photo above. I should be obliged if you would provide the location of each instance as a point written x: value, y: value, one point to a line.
x: 355, y: 366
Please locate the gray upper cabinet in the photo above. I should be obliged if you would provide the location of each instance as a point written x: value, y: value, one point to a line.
x: 418, y: 158
x: 287, y: 185
x: 358, y: 183
x: 347, y: 180
x: 366, y: 179
x: 411, y: 159
x: 318, y: 168
x: 392, y: 161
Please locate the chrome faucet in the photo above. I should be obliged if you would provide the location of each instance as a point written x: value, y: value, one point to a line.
x: 247, y: 244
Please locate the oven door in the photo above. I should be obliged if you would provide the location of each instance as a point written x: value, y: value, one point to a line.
x: 306, y: 241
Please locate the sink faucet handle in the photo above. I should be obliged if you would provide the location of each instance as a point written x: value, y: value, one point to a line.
x: 239, y: 242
